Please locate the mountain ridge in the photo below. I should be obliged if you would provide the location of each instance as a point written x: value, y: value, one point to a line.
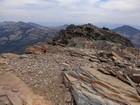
x: 91, y: 33
x: 16, y: 36
x: 129, y: 32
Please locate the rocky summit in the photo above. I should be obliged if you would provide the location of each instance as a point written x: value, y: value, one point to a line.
x: 78, y: 36
x: 77, y: 68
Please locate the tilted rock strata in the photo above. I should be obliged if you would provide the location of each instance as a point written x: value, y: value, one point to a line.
x: 91, y: 87
x: 92, y: 75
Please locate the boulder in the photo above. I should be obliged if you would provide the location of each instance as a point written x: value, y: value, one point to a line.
x: 135, y: 76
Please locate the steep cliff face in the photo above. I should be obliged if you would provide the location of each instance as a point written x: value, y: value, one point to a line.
x: 74, y: 35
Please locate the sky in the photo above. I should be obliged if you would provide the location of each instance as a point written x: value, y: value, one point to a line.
x: 71, y: 11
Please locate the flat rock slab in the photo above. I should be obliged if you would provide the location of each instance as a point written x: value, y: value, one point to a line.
x: 10, y: 55
x: 13, y: 91
x: 91, y: 87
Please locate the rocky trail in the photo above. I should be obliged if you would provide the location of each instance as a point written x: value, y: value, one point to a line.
x: 71, y: 76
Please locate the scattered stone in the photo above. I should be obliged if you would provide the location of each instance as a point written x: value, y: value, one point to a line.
x: 94, y: 60
x: 15, y: 90
x: 3, y: 61
x: 117, y: 56
x: 136, y: 76
x: 66, y: 64
x: 23, y: 56
x: 40, y: 72
x: 138, y: 63
x: 103, y: 60
x: 22, y: 93
x: 35, y: 50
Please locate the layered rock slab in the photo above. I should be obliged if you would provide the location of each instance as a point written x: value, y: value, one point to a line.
x: 89, y: 86
x: 14, y: 92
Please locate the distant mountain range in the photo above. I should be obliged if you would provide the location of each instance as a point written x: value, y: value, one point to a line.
x: 114, y: 25
x: 129, y: 32
x: 16, y: 36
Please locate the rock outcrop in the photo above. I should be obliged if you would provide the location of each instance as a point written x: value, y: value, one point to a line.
x: 35, y: 49
x: 110, y: 79
x: 91, y: 87
x: 81, y: 36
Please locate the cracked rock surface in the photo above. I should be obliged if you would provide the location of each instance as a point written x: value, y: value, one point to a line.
x: 75, y: 76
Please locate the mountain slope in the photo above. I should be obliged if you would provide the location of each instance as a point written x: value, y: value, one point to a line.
x: 129, y: 32
x: 16, y: 36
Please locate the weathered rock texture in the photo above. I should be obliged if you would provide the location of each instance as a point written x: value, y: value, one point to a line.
x: 82, y: 76
x: 91, y: 87
x: 112, y: 78
x: 35, y: 49
x: 14, y: 92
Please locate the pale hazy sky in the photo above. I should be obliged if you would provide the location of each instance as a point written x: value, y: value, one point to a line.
x: 71, y: 11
